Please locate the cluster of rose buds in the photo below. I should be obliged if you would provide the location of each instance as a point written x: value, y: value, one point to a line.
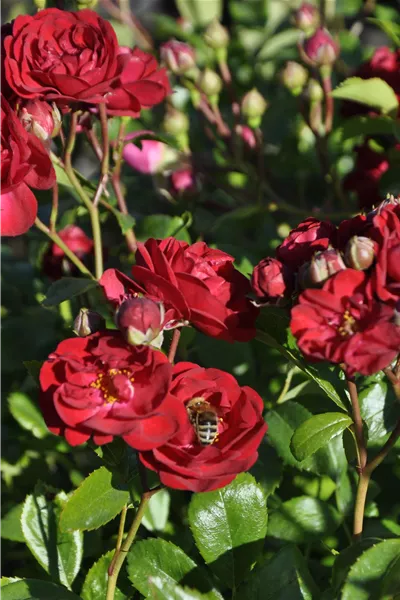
x: 343, y: 284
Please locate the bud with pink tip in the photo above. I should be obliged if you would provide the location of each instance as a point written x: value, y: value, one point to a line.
x: 306, y: 17
x: 183, y: 180
x: 141, y: 321
x: 177, y: 56
x: 322, y: 266
x: 153, y: 156
x: 40, y: 118
x: 294, y: 77
x: 88, y: 322
x: 360, y: 253
x: 320, y: 49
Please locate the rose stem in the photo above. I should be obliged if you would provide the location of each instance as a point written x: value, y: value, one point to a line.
x: 91, y: 136
x: 174, y: 345
x: 54, y: 208
x: 92, y: 209
x: 116, y: 183
x: 142, y: 36
x: 119, y: 538
x: 329, y: 106
x: 67, y: 251
x: 358, y: 424
x: 119, y: 559
x: 260, y: 163
x: 105, y: 161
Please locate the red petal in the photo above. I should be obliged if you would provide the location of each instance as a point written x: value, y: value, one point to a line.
x: 18, y: 210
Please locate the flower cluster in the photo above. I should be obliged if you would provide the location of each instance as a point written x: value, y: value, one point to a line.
x: 343, y: 284
x: 196, y: 427
x: 60, y: 60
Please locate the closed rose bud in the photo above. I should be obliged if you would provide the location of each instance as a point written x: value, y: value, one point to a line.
x: 177, y: 56
x: 314, y: 91
x: 141, y: 321
x: 253, y: 107
x: 183, y: 180
x: 216, y: 35
x: 210, y: 83
x: 322, y: 266
x: 176, y: 122
x: 294, y: 77
x: 306, y: 17
x: 320, y: 49
x: 88, y: 322
x: 40, y: 118
x: 360, y: 253
x: 271, y: 280
x: 153, y: 156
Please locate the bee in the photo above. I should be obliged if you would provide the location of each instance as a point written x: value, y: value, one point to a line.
x: 204, y: 419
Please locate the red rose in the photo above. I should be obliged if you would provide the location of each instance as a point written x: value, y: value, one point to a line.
x: 320, y: 48
x: 271, y: 280
x: 24, y: 162
x: 74, y: 57
x: 365, y: 178
x: 340, y: 323
x: 55, y: 263
x: 308, y: 237
x: 196, y: 284
x: 385, y: 278
x: 178, y: 56
x: 184, y: 463
x: 100, y: 386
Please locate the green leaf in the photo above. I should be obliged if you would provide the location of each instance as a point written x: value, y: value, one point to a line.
x: 283, y: 420
x: 229, y: 526
x: 303, y: 519
x: 275, y: 44
x: 126, y: 222
x: 158, y: 558
x: 198, y: 12
x: 157, y: 510
x: 284, y: 577
x: 163, y: 226
x: 67, y: 288
x: 60, y: 554
x: 34, y: 589
x: 95, y: 585
x: 373, y: 92
x: 391, y: 28
x: 379, y: 407
x: 345, y: 560
x: 94, y: 503
x: 363, y: 125
x: 33, y: 367
x: 27, y: 414
x: 268, y: 469
x: 316, y: 432
x: 344, y: 494
x: 162, y: 590
x: 373, y: 571
x: 11, y: 524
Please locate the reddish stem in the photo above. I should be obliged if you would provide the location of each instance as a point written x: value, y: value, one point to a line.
x: 174, y: 345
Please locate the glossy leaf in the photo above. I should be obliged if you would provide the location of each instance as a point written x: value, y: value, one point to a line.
x: 34, y: 589
x: 275, y: 44
x: 316, y: 432
x: 229, y: 526
x: 27, y: 414
x: 94, y: 503
x: 160, y: 590
x: 362, y: 125
x: 373, y: 92
x: 267, y: 471
x: 379, y: 408
x: 67, y: 288
x: 11, y: 524
x: 375, y: 569
x: 158, y: 558
x: 303, y: 519
x: 163, y: 226
x: 95, y: 585
x: 345, y: 560
x: 157, y: 511
x: 284, y: 577
x: 60, y: 554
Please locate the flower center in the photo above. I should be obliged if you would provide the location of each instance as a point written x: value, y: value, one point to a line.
x: 348, y: 325
x: 114, y: 385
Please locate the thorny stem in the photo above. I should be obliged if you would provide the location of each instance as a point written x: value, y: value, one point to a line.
x: 174, y: 345
x: 119, y: 558
x: 92, y: 209
x: 67, y: 251
x: 54, y: 208
x: 105, y: 161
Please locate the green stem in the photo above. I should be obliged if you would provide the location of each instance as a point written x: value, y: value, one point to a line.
x: 67, y: 251
x: 54, y: 208
x: 329, y: 106
x: 92, y: 209
x: 105, y: 160
x: 358, y: 424
x: 119, y: 559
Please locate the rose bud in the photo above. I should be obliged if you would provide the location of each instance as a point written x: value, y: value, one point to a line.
x: 88, y: 322
x: 210, y: 83
x: 141, y: 321
x: 153, y: 157
x: 294, y: 77
x: 359, y: 253
x: 177, y: 56
x: 322, y: 266
x: 306, y: 17
x: 40, y: 118
x: 320, y: 49
x: 271, y: 280
x: 183, y: 180
x: 253, y: 107
x: 176, y: 122
x: 216, y: 35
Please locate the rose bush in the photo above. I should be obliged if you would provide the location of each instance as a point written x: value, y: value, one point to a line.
x: 183, y: 463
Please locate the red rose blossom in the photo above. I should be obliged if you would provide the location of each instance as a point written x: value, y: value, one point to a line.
x: 271, y: 280
x: 183, y: 463
x: 100, y: 386
x: 24, y: 162
x: 302, y: 242
x: 385, y: 278
x: 340, y: 323
x: 74, y: 57
x: 196, y: 284
x: 55, y: 263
